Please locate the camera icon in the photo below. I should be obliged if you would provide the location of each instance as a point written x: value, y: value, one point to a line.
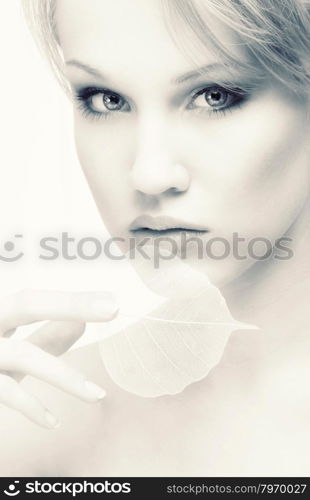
x: 13, y: 491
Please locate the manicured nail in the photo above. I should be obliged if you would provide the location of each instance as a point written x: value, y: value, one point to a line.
x: 94, y: 390
x: 51, y: 420
x: 104, y: 307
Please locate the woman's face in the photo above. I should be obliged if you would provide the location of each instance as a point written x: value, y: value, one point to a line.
x: 156, y: 138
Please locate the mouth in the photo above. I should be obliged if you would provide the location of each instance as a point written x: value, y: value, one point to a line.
x: 147, y: 225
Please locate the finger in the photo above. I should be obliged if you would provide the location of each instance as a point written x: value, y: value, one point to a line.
x: 14, y: 396
x: 29, y: 306
x: 9, y: 333
x: 29, y: 359
x: 54, y: 337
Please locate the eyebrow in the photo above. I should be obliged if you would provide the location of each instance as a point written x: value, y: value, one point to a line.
x: 205, y: 70
x: 85, y: 67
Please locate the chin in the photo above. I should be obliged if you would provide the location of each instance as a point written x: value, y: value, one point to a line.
x: 224, y: 274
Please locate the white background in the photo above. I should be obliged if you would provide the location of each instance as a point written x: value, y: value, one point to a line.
x: 42, y: 188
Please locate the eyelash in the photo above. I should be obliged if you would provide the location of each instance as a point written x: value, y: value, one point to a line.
x: 238, y: 96
x: 83, y: 96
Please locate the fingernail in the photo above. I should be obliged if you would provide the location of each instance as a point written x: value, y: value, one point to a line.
x: 51, y: 420
x: 104, y: 306
x: 94, y: 390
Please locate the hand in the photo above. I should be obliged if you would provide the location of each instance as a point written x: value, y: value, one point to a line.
x: 37, y: 356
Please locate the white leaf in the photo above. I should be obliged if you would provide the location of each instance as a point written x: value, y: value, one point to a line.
x: 176, y: 344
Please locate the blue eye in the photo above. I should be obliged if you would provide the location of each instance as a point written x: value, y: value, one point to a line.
x: 216, y: 98
x: 101, y: 101
x: 106, y: 101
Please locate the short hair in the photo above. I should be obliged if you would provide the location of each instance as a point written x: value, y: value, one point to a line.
x: 274, y: 32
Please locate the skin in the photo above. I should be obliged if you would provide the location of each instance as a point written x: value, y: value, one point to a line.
x: 156, y: 156
x: 37, y: 355
x: 224, y: 172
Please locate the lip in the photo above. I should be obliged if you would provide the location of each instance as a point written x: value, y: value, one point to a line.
x: 162, y: 225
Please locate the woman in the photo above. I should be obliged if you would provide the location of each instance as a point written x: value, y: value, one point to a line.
x: 193, y: 117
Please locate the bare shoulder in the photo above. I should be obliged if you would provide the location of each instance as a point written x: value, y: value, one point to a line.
x: 196, y: 432
x: 111, y: 437
x: 121, y: 435
x: 27, y: 449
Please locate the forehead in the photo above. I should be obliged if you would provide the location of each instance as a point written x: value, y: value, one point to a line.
x: 129, y: 35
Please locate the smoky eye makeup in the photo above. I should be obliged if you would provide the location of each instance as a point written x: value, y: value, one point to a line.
x: 211, y: 99
x: 225, y: 94
x: 215, y: 98
x: 99, y: 101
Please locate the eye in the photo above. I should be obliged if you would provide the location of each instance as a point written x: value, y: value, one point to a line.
x: 216, y: 98
x: 101, y: 101
x: 107, y: 101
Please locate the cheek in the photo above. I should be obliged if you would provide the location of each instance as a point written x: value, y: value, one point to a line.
x: 272, y: 172
x: 252, y: 163
x: 104, y: 152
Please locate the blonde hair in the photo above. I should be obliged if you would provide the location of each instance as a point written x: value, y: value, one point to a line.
x: 274, y: 32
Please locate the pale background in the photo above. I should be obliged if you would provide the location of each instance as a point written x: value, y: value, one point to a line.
x: 42, y: 188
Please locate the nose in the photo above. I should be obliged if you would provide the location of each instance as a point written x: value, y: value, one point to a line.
x: 156, y: 168
x: 155, y: 175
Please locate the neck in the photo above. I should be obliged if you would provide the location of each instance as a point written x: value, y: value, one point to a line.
x: 261, y: 293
